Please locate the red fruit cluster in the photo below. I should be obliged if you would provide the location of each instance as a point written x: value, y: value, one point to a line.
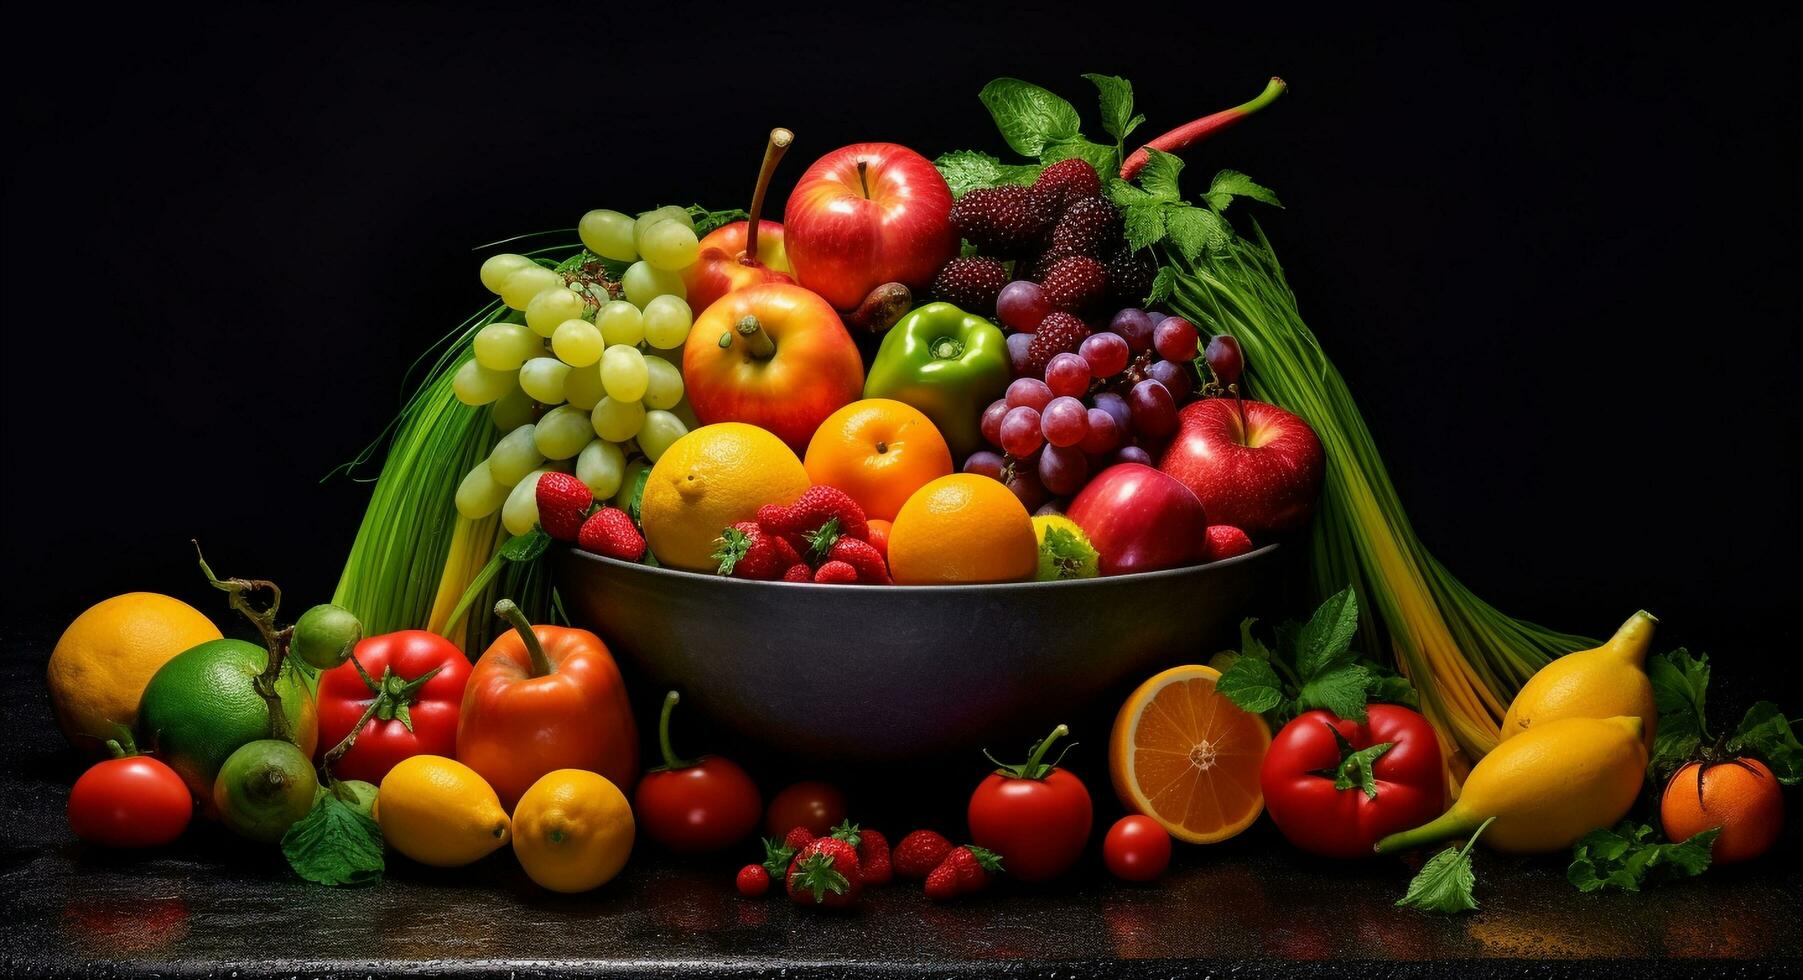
x: 829, y: 871
x: 821, y: 537
x: 971, y: 283
x: 567, y: 512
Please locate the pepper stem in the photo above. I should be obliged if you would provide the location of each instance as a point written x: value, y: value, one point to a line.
x: 506, y: 609
x: 757, y: 342
x: 671, y: 762
x: 780, y: 139
x: 947, y: 348
x: 1035, y: 767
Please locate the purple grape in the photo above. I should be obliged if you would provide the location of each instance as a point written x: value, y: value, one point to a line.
x: 1225, y: 359
x: 1026, y: 486
x: 1104, y: 433
x: 1174, y: 375
x: 1062, y: 470
x: 1030, y: 392
x: 1049, y: 508
x: 985, y: 463
x: 1154, y: 410
x: 1175, y: 339
x: 1067, y: 374
x: 992, y: 422
x: 1106, y: 354
x: 1133, y: 454
x: 1064, y: 422
x: 1020, y: 432
x: 1017, y: 354
x: 1156, y: 317
x: 1116, y: 406
x: 1021, y: 305
x: 1135, y: 327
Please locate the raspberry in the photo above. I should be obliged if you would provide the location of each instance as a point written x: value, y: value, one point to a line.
x: 1067, y: 181
x: 1075, y: 283
x: 1003, y: 219
x: 1090, y: 226
x: 971, y: 283
x: 1130, y: 276
x: 1058, y: 333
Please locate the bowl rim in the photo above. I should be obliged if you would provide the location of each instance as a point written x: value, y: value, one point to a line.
x: 962, y: 588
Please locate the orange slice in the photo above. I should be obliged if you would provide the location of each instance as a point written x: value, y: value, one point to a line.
x: 1187, y: 757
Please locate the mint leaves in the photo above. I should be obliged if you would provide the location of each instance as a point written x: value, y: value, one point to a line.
x: 1681, y: 692
x: 334, y: 844
x: 1630, y: 855
x: 967, y: 170
x: 1116, y: 97
x: 1444, y: 883
x: 1313, y: 666
x: 1155, y: 212
x: 1030, y: 118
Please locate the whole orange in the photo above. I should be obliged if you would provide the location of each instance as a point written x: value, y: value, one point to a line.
x: 962, y: 528
x: 879, y: 451
x: 1742, y: 797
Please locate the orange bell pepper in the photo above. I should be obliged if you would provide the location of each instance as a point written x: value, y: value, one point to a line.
x: 544, y: 698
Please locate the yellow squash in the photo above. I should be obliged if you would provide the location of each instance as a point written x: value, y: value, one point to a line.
x: 1601, y: 683
x: 1546, y: 787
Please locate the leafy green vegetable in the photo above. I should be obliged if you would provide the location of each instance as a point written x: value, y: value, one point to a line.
x: 706, y: 221
x: 1680, y: 688
x: 1116, y: 97
x: 1444, y: 883
x: 1767, y: 735
x: 334, y: 844
x: 1313, y: 666
x: 1631, y: 855
x: 1103, y: 158
x: 1229, y: 184
x: 967, y: 170
x: 1030, y: 118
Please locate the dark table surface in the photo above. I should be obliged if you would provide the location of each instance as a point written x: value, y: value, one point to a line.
x: 210, y: 905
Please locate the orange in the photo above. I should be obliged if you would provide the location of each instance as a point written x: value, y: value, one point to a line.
x: 879, y: 451
x: 1187, y: 757
x: 104, y: 660
x: 962, y: 528
x: 715, y: 476
x: 1742, y: 797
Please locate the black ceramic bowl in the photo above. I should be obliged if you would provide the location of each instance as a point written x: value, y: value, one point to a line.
x: 873, y: 673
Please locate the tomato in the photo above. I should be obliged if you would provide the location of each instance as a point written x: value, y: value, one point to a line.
x: 814, y: 805
x: 1313, y: 779
x: 695, y: 807
x: 129, y: 801
x: 406, y: 688
x: 1136, y: 848
x: 1035, y: 815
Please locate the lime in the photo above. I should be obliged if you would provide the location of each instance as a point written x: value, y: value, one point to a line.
x: 263, y: 788
x: 324, y: 635
x: 357, y: 794
x: 203, y: 704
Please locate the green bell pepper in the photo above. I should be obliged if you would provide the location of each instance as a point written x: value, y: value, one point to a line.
x: 949, y: 364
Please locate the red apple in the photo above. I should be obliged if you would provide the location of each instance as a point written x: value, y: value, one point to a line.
x: 723, y: 265
x: 868, y: 214
x: 1140, y: 520
x: 1261, y: 475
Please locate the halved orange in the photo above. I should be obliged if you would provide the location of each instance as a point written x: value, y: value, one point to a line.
x: 1187, y: 757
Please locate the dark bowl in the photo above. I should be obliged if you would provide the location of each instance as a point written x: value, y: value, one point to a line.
x: 888, y: 673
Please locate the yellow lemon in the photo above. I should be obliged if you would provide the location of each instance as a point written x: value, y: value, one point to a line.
x: 438, y: 811
x: 572, y: 830
x: 1605, y: 682
x: 713, y: 477
x: 105, y: 658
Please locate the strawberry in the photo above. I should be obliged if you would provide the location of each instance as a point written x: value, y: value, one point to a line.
x: 799, y: 572
x: 563, y: 503
x: 837, y: 573
x: 863, y: 556
x: 942, y: 883
x: 798, y: 838
x: 973, y: 865
x: 819, y: 504
x: 609, y: 532
x: 773, y: 518
x: 919, y: 853
x: 1225, y: 541
x: 746, y: 550
x: 753, y: 880
x: 825, y: 873
x: 873, y: 858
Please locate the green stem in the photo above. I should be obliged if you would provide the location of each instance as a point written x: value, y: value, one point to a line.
x: 1452, y: 823
x: 506, y: 609
x: 276, y: 641
x: 468, y: 598
x: 1031, y: 769
x: 671, y: 761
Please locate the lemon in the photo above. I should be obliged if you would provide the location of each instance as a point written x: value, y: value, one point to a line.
x: 572, y: 830
x: 437, y: 811
x: 1605, y: 682
x: 709, y: 479
x: 105, y: 658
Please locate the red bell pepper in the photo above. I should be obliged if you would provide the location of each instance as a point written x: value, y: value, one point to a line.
x: 402, y: 693
x: 1335, y: 786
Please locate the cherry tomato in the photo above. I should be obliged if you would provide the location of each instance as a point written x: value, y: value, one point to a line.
x: 693, y: 807
x: 1136, y: 849
x: 813, y: 804
x: 129, y: 801
x: 1035, y: 815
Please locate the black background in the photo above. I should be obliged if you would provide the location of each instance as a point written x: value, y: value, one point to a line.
x: 1554, y: 254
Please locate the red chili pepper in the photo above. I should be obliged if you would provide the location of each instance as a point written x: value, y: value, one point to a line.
x: 1195, y: 132
x: 402, y: 692
x: 693, y: 807
x: 1332, y: 795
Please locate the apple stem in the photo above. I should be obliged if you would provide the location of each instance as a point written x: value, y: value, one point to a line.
x: 780, y: 139
x: 756, y: 340
x: 864, y: 177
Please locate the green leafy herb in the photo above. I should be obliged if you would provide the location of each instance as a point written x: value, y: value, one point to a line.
x: 1632, y: 855
x: 334, y: 844
x: 1162, y: 284
x: 526, y: 547
x: 1103, y: 158
x: 967, y: 170
x: 1030, y: 118
x: 1229, y: 184
x: 706, y: 221
x: 1444, y: 883
x: 1767, y: 735
x: 1116, y: 97
x: 1680, y: 689
x: 1312, y: 666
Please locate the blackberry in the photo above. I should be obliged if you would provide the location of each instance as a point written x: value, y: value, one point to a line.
x: 971, y: 283
x: 1002, y: 220
x: 1130, y: 276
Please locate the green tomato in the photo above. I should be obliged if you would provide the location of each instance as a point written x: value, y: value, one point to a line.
x: 325, y: 635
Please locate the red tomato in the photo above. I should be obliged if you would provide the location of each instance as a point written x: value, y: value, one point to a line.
x: 814, y: 805
x: 695, y: 807
x: 1036, y: 815
x: 414, y: 714
x: 1299, y: 772
x: 1136, y: 849
x: 131, y: 801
